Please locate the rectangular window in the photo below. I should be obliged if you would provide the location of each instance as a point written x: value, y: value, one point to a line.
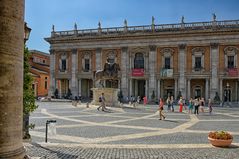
x: 63, y: 65
x: 198, y: 64
x: 167, y: 62
x: 87, y: 65
x: 230, y: 62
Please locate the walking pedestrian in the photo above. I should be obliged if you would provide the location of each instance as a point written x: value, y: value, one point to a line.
x: 190, y: 106
x: 161, y: 115
x: 102, y: 102
x: 172, y: 103
x: 196, y: 105
x: 210, y: 106
x: 202, y: 103
x: 168, y: 103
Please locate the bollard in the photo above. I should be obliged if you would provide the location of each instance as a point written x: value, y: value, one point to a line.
x: 87, y: 105
x: 47, y: 123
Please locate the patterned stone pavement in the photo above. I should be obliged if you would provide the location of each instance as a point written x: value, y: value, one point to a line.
x: 131, y: 133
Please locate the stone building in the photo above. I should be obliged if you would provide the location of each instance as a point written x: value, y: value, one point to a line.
x: 40, y: 71
x: 191, y: 59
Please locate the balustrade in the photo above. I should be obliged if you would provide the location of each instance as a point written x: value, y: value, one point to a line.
x: 149, y: 28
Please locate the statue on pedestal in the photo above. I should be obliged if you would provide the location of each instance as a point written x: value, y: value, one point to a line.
x: 110, y: 71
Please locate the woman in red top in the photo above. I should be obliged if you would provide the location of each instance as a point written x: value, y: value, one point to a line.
x: 180, y: 102
x: 145, y: 100
x: 161, y: 109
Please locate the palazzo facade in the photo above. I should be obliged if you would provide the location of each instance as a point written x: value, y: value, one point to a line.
x: 194, y: 59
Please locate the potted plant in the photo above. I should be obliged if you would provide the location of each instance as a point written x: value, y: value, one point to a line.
x: 220, y: 138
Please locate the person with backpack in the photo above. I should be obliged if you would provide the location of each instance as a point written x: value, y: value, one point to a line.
x: 102, y: 102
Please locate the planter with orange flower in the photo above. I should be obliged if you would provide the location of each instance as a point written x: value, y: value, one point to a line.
x: 220, y: 138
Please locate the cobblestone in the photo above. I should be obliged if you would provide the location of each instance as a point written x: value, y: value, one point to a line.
x: 122, y: 153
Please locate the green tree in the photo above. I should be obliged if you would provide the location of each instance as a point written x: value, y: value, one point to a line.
x: 28, y: 96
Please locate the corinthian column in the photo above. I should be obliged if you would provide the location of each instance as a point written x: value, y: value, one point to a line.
x: 11, y: 78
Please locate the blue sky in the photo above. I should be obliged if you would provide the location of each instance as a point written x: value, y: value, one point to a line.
x: 42, y: 14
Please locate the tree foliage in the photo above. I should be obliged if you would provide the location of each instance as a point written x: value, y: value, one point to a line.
x: 28, y: 93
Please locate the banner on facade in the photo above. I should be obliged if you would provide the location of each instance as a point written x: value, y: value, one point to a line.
x: 138, y: 72
x: 233, y: 72
x: 166, y: 72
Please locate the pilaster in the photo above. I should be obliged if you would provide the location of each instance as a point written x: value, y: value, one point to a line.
x: 52, y: 73
x: 124, y: 77
x: 74, y: 83
x: 152, y: 76
x: 214, y: 54
x: 159, y: 87
x: 182, y: 64
x: 98, y: 59
x: 207, y: 90
x: 189, y: 89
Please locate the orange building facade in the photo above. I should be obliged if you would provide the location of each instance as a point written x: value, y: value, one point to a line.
x: 40, y: 71
x: 192, y: 59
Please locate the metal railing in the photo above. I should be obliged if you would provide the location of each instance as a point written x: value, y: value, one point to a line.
x: 149, y: 28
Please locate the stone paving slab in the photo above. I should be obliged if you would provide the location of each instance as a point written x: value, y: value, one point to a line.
x: 99, y: 119
x: 68, y: 113
x: 97, y: 131
x: 42, y: 122
x: 216, y: 126
x: 155, y: 123
x: 206, y: 116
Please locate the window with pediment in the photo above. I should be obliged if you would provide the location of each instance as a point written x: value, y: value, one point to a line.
x: 139, y: 61
x: 167, y: 58
x: 230, y: 57
x: 63, y: 62
x: 198, y: 59
x: 86, y: 62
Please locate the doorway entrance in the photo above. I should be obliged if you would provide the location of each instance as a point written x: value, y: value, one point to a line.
x: 138, y: 88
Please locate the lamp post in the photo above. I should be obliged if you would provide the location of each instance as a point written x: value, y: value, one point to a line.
x: 27, y: 32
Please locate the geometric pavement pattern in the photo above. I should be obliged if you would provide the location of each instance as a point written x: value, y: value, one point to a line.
x: 129, y: 132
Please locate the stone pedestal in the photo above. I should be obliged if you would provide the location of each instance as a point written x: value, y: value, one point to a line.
x: 111, y: 96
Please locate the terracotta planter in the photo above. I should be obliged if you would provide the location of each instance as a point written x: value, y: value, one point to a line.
x: 220, y: 143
